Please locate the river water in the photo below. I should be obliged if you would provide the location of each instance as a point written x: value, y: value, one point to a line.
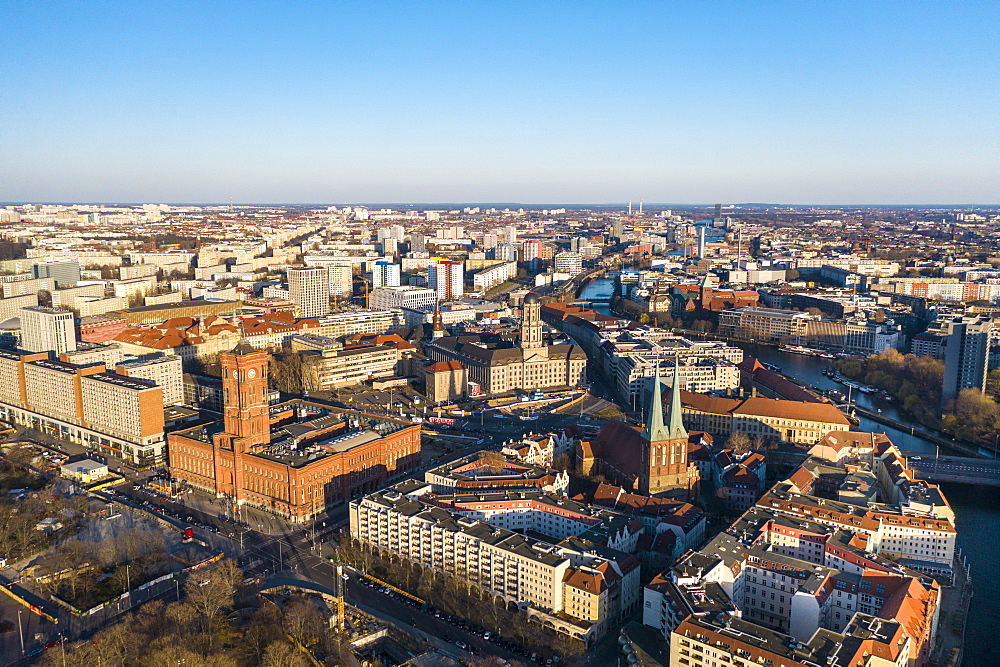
x: 977, y: 508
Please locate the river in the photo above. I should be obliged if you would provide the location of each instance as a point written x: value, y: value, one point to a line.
x: 977, y: 508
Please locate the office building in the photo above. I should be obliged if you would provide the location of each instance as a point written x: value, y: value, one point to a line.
x: 47, y: 330
x: 309, y: 288
x: 568, y: 262
x: 385, y: 274
x: 64, y: 273
x: 405, y: 296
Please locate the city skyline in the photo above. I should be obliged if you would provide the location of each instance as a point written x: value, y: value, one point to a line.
x: 795, y: 104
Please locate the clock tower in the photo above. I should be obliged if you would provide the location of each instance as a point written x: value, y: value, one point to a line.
x: 244, y: 390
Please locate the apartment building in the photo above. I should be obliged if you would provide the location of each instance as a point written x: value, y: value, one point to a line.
x: 310, y: 289
x: 101, y: 410
x: 67, y: 297
x: 385, y: 274
x: 95, y: 305
x: 10, y: 307
x: 165, y: 372
x: 496, y: 273
x: 446, y: 277
x: 794, y: 579
x: 723, y: 640
x: 963, y: 342
x: 30, y: 286
x: 569, y: 584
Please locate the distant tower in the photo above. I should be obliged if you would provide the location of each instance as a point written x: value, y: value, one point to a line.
x: 701, y: 242
x: 718, y: 212
x: 246, y: 414
x: 630, y: 207
x: 531, y: 322
x: 640, y: 207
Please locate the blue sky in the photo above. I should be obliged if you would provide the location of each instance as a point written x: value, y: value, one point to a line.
x: 534, y: 102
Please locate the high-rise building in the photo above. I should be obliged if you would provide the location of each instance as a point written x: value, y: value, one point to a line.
x: 385, y: 274
x: 341, y: 280
x: 417, y: 242
x: 446, y: 277
x: 309, y: 288
x: 47, y: 330
x: 966, y: 353
x: 505, y: 252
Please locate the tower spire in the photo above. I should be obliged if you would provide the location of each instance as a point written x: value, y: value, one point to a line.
x: 675, y: 422
x: 655, y: 430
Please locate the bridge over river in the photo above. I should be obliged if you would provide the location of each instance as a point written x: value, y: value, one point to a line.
x: 956, y: 469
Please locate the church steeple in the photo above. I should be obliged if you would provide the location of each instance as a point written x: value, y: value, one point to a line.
x: 655, y: 431
x: 437, y: 326
x: 675, y: 423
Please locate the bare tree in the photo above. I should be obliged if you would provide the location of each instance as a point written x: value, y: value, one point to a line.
x: 210, y: 592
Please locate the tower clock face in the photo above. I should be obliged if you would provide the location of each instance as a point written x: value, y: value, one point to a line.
x: 251, y: 373
x: 236, y: 374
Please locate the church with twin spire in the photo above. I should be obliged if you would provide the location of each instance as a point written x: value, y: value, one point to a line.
x: 652, y: 461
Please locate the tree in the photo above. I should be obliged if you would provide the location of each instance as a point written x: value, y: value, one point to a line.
x: 210, y: 592
x: 738, y: 441
x: 644, y: 318
x: 286, y: 371
x: 280, y: 653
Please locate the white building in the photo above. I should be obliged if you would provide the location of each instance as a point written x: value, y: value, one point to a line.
x: 405, y: 296
x: 385, y: 274
x: 166, y: 372
x: 47, y: 330
x: 309, y: 288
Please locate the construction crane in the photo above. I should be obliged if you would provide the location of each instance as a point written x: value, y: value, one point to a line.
x: 338, y: 588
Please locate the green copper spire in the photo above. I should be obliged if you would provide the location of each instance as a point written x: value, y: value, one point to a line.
x: 675, y: 424
x: 655, y: 430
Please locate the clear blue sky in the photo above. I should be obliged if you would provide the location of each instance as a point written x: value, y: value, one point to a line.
x: 577, y: 102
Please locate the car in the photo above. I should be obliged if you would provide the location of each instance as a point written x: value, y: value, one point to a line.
x: 462, y: 645
x: 915, y: 458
